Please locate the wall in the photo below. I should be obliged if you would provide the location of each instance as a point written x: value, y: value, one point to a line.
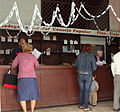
x: 114, y: 24
x: 26, y: 9
x: 92, y: 40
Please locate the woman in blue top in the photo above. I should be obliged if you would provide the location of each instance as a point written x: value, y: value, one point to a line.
x: 85, y: 63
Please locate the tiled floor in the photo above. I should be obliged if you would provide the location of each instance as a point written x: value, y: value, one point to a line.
x: 104, y: 106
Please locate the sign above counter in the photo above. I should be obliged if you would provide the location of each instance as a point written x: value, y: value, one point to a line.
x: 64, y: 30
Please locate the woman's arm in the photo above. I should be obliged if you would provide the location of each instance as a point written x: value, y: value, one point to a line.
x: 36, y: 62
x: 15, y: 62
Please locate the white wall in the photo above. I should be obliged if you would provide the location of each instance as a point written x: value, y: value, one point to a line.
x: 114, y: 24
x: 26, y: 8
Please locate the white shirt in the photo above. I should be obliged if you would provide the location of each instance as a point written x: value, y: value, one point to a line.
x: 115, y: 65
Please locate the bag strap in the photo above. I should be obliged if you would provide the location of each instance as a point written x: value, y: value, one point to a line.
x: 9, y: 72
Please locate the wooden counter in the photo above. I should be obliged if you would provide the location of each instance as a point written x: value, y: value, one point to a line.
x: 58, y: 85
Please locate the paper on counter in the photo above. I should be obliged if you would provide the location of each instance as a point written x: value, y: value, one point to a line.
x: 36, y: 53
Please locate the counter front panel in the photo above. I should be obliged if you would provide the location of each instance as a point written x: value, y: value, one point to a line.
x: 58, y: 85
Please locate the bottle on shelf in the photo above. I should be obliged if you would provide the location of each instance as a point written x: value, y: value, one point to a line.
x: 48, y: 50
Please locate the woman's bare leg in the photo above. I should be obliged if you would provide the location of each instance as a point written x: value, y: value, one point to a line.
x: 33, y: 102
x: 23, y: 105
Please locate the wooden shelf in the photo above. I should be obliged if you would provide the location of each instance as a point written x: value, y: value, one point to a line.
x: 39, y: 43
x: 49, y: 41
x: 63, y: 52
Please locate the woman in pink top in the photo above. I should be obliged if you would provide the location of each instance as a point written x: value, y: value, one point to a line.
x: 27, y: 88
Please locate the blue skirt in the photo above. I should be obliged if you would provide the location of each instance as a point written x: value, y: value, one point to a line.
x: 27, y: 89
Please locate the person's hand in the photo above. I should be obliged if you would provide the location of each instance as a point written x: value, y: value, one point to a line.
x: 99, y: 63
x: 96, y: 90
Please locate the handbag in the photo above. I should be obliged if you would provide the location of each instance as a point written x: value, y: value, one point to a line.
x: 10, y: 80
